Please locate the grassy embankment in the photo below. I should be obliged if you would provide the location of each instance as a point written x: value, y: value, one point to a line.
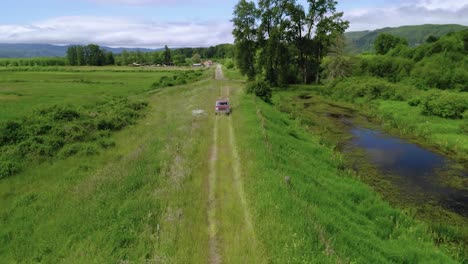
x: 324, y: 117
x: 326, y: 215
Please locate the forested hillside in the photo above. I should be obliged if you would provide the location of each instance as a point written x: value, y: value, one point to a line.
x: 360, y: 41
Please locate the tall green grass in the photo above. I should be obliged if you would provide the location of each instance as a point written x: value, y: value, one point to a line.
x: 324, y: 215
x: 138, y: 202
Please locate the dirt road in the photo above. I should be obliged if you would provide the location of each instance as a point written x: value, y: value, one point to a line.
x: 231, y: 232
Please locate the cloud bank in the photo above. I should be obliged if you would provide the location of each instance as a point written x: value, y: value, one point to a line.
x: 126, y: 32
x: 111, y: 31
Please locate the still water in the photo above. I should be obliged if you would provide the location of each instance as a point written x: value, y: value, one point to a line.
x: 419, y: 172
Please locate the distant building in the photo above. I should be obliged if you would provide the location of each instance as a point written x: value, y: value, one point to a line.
x: 208, y: 63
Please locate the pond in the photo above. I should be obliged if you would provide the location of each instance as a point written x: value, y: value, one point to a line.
x: 417, y: 171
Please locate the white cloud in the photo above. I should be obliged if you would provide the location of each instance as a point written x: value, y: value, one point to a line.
x: 154, y: 2
x: 442, y: 4
x: 113, y: 31
x: 414, y: 12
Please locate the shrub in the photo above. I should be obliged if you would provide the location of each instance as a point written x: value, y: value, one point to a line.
x: 63, y: 131
x: 230, y: 64
x: 391, y: 68
x: 445, y: 104
x: 415, y: 101
x: 8, y: 168
x: 11, y: 132
x: 367, y: 87
x: 261, y: 89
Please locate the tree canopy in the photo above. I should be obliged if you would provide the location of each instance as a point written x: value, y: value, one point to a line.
x: 277, y: 39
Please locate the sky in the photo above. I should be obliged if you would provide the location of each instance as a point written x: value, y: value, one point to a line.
x: 186, y: 23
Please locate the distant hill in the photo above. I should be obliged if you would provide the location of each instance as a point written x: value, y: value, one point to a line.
x: 46, y: 50
x: 360, y: 41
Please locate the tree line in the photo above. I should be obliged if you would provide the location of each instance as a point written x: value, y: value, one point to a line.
x: 284, y: 42
x: 94, y: 55
x: 91, y: 55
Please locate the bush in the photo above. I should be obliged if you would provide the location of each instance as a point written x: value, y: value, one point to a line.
x: 367, y: 87
x: 261, y: 89
x: 230, y: 64
x: 391, y: 68
x: 63, y: 131
x: 445, y: 104
x: 8, y: 168
x: 414, y: 102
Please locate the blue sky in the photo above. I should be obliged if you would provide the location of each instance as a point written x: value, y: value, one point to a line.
x: 154, y: 23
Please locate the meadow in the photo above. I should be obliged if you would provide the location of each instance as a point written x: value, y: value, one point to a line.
x: 145, y: 198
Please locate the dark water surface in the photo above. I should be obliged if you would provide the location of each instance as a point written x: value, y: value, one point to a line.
x: 419, y: 171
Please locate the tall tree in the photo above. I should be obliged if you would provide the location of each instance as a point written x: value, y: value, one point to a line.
x: 196, y: 58
x: 339, y: 65
x: 284, y: 38
x: 72, y: 55
x: 110, y: 60
x: 245, y: 33
x: 323, y: 23
x: 81, y: 58
x: 167, y: 55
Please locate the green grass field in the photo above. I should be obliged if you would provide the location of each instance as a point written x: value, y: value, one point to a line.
x: 23, y: 91
x: 190, y: 187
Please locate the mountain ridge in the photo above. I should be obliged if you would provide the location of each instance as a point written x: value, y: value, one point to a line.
x: 363, y: 41
x: 23, y: 50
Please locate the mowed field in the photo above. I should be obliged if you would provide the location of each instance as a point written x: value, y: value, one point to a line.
x: 181, y: 185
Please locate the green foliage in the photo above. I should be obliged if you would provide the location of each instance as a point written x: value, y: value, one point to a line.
x: 33, y: 62
x: 363, y: 41
x: 445, y: 104
x: 196, y: 58
x: 285, y: 42
x: 261, y: 89
x: 414, y: 101
x: 442, y: 64
x: 167, y: 55
x: 431, y: 39
x: 64, y: 131
x: 91, y: 55
x: 352, y: 88
x: 385, y: 42
x: 180, y: 78
x: 393, y: 69
x: 230, y: 64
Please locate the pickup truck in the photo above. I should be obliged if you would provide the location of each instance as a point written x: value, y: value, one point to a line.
x: 222, y: 107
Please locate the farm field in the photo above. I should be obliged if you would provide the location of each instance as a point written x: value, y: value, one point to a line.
x: 185, y: 186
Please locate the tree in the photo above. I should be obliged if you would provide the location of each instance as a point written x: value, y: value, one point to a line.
x: 81, y: 59
x: 465, y: 41
x: 196, y: 58
x: 167, y: 55
x: 339, y: 65
x: 94, y: 55
x: 431, y: 39
x: 125, y: 57
x: 385, y: 42
x: 282, y: 37
x: 72, y: 55
x: 110, y: 60
x: 245, y: 33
